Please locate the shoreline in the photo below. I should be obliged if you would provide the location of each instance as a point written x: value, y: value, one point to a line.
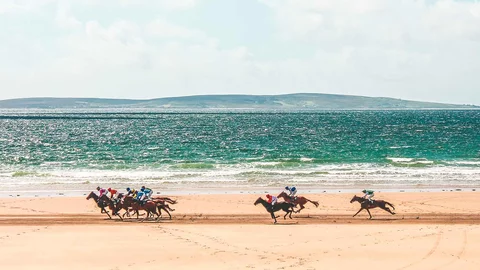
x: 236, y: 191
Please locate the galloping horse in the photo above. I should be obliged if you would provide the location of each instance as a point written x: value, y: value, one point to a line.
x: 102, y: 203
x: 161, y: 204
x: 299, y: 200
x: 365, y: 204
x: 148, y: 206
x: 287, y: 207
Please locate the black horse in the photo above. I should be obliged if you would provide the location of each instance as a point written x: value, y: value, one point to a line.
x: 102, y: 203
x: 366, y: 204
x: 287, y: 207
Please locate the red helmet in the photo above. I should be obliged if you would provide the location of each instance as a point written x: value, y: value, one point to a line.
x: 109, y: 189
x: 268, y: 195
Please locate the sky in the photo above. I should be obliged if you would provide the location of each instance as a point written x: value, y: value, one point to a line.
x: 426, y: 50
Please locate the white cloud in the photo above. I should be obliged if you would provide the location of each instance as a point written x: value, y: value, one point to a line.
x: 408, y: 49
x: 163, y: 29
x: 64, y: 17
x: 21, y: 6
x: 411, y: 49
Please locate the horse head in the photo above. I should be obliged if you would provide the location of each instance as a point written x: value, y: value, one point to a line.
x: 259, y: 200
x: 91, y: 195
x: 282, y: 195
x: 354, y: 199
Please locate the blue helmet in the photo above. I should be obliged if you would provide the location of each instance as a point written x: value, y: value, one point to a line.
x: 128, y: 189
x: 286, y: 188
x: 142, y: 189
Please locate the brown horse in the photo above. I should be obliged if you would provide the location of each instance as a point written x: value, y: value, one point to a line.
x: 366, y: 204
x: 102, y: 203
x: 300, y: 200
x: 148, y: 206
x: 162, y: 205
x: 287, y: 207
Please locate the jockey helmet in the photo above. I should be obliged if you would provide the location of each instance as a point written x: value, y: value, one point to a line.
x: 98, y: 188
x: 268, y: 195
x: 142, y: 189
x: 109, y: 189
x: 364, y: 191
x: 128, y: 189
x: 286, y: 187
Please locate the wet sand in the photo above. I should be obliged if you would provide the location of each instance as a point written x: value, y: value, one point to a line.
x: 431, y: 230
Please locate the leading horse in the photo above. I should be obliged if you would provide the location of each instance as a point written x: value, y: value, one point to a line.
x: 287, y: 207
x: 101, y: 203
x: 366, y: 204
x: 300, y: 200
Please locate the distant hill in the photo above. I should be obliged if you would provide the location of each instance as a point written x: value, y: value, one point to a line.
x: 283, y: 102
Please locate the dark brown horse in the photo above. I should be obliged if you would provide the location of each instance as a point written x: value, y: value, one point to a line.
x: 300, y: 200
x: 102, y: 203
x: 287, y: 207
x: 366, y: 204
x: 148, y: 206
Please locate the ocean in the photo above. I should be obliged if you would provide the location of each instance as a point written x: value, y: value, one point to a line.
x: 76, y: 150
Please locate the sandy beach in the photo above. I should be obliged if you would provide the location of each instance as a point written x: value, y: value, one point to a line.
x: 431, y: 230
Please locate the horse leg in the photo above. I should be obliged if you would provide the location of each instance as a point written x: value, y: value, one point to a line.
x: 301, y: 207
x: 388, y: 210
x: 369, y: 213
x: 274, y: 218
x: 358, y: 212
x: 148, y: 214
x: 106, y: 212
x: 118, y: 214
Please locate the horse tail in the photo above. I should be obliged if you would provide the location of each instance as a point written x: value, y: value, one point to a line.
x: 166, y: 199
x: 170, y: 200
x: 391, y: 205
x: 314, y: 202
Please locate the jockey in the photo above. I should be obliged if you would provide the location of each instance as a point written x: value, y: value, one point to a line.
x: 271, y: 200
x: 148, y: 193
x: 139, y: 196
x: 102, y: 192
x: 292, y: 192
x: 131, y: 192
x: 113, y: 194
x: 368, y: 195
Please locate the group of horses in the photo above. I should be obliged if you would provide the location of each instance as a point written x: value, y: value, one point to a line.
x: 153, y: 207
x: 288, y: 205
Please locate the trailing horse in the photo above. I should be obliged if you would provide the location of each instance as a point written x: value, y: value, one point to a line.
x: 300, y: 200
x: 366, y: 204
x: 287, y: 207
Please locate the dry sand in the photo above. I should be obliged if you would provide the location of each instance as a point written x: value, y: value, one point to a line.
x: 430, y: 231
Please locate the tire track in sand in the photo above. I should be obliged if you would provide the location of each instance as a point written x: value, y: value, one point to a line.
x: 430, y: 252
x: 460, y: 252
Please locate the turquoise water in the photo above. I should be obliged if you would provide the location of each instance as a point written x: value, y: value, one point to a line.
x: 79, y: 149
